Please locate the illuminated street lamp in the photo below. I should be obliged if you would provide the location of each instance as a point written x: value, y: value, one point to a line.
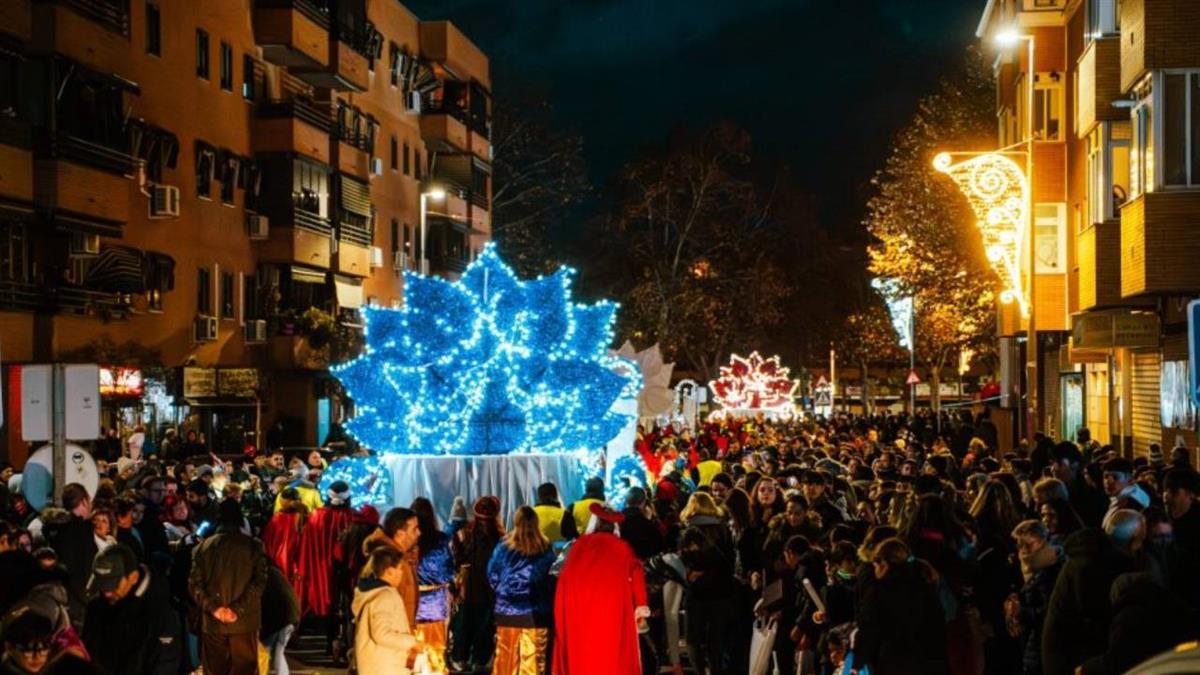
x: 437, y: 194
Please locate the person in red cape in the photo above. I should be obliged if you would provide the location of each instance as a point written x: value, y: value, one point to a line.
x: 281, y: 536
x: 600, y: 602
x: 318, y: 552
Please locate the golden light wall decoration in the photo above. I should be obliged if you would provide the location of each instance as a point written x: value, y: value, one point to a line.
x: 998, y: 191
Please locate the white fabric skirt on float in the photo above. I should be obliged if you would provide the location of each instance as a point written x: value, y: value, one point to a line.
x: 512, y: 478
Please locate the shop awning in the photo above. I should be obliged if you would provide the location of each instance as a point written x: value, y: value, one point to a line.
x: 118, y: 269
x: 349, y: 292
x: 307, y: 275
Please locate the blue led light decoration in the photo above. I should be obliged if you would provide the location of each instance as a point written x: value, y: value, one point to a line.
x: 487, y: 365
x: 369, y: 479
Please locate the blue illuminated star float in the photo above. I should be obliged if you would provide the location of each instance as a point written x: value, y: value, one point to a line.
x: 487, y: 365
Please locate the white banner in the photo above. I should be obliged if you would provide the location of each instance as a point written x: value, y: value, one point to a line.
x: 35, y: 403
x: 83, y: 402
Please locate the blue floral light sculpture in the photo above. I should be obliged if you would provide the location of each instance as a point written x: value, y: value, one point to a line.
x: 487, y: 365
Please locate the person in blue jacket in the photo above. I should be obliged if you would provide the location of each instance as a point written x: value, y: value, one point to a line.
x: 519, y: 572
x: 435, y: 574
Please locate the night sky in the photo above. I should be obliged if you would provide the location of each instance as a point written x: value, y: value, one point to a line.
x: 821, y: 85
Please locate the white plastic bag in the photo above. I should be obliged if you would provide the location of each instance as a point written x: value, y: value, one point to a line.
x: 762, y: 643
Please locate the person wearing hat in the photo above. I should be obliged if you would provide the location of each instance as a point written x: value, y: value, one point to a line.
x: 641, y: 531
x: 228, y: 576
x: 201, y: 505
x: 474, y: 642
x: 600, y: 602
x: 1122, y: 492
x: 131, y: 626
x: 318, y: 551
x: 28, y: 641
x: 576, y: 518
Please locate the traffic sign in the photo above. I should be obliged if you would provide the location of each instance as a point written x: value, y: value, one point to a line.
x: 824, y: 398
x: 913, y: 378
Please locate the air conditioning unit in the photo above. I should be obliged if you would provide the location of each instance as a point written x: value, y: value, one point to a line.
x: 84, y: 244
x: 376, y: 257
x: 256, y: 331
x: 377, y: 166
x: 206, y: 328
x: 413, y: 101
x: 164, y: 201
x: 399, y: 260
x: 258, y: 227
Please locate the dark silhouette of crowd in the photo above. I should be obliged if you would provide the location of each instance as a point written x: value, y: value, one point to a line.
x: 903, y: 544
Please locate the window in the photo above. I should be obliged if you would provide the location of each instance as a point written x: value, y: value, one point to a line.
x: 1141, y: 156
x: 417, y: 163
x: 310, y: 187
x: 153, y: 30
x: 226, y: 67
x: 407, y: 169
x: 15, y: 252
x: 249, y: 298
x: 1103, y: 19
x: 1108, y: 171
x: 204, y: 292
x: 248, y: 68
x: 201, y: 53
x: 227, y: 307
x: 230, y: 167
x: 206, y: 159
x: 395, y: 154
x: 1047, y: 107
x: 1180, y: 125
x: 395, y: 71
x: 1050, y: 238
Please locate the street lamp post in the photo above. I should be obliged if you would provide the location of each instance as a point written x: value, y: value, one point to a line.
x: 1010, y: 38
x: 437, y: 194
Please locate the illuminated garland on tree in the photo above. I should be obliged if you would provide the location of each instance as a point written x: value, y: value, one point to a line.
x: 487, y: 365
x: 754, y: 384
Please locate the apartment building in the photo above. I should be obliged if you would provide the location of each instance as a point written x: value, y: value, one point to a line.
x: 1115, y: 180
x: 207, y: 192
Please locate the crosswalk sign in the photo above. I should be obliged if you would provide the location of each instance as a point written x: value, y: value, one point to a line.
x: 824, y: 398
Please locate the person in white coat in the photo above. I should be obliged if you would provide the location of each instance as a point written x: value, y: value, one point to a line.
x: 384, y: 642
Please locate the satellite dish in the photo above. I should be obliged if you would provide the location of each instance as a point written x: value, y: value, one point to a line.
x: 37, y: 481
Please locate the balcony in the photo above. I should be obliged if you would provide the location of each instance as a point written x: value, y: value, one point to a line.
x: 448, y: 263
x: 444, y: 128
x: 1099, y: 85
x: 294, y: 125
x: 1098, y: 251
x: 1160, y: 244
x: 83, y: 184
x: 442, y: 43
x: 38, y: 298
x: 293, y: 33
x: 16, y: 161
x: 1158, y: 34
x: 300, y: 237
x: 347, y: 69
x: 355, y: 133
x: 293, y: 352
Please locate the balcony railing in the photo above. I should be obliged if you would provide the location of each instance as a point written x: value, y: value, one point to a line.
x: 111, y: 159
x: 302, y: 109
x: 112, y: 14
x: 30, y: 297
x: 448, y: 263
x: 308, y: 218
x: 443, y: 106
x: 317, y: 10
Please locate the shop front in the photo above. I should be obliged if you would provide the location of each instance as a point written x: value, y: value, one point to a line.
x: 221, y: 410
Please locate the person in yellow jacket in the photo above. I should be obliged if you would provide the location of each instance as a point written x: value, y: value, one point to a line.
x: 549, y: 512
x: 575, y: 520
x: 706, y: 468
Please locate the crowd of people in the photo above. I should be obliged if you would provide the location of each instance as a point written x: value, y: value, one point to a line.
x: 890, y: 543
